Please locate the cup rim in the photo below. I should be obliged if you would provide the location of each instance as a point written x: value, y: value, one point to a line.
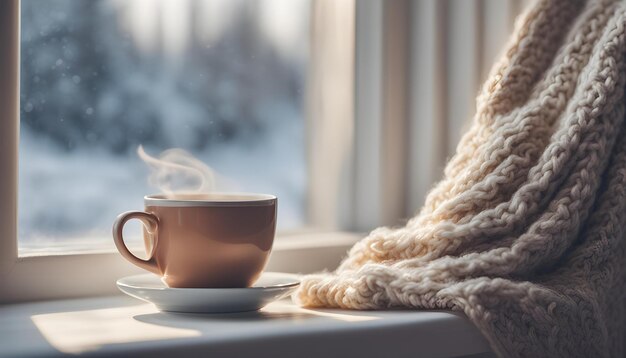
x: 221, y: 199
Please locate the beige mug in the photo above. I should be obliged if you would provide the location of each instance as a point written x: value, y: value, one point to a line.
x: 204, y: 240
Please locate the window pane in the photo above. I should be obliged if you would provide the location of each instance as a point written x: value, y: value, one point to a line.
x: 221, y: 79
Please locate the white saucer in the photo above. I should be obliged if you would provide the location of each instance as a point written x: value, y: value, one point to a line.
x: 271, y: 286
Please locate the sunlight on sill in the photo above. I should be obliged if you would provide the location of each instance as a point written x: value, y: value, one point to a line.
x: 84, y: 331
x: 78, y: 332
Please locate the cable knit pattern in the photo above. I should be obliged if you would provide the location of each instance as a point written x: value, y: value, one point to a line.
x: 526, y: 232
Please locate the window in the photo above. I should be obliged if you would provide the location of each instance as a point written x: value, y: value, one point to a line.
x: 223, y: 80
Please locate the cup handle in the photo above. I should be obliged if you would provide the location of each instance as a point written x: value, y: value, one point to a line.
x: 151, y: 223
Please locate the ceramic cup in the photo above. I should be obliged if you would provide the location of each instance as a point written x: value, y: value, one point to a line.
x: 204, y: 240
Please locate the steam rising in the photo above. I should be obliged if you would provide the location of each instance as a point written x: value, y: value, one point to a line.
x: 176, y: 171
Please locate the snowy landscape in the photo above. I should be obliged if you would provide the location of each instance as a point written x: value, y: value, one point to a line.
x: 223, y: 80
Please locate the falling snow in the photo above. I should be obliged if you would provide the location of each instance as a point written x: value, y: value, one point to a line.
x: 92, y: 91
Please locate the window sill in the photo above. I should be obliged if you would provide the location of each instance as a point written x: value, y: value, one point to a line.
x: 121, y: 326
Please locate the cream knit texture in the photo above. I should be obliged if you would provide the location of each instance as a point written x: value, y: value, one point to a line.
x: 526, y: 232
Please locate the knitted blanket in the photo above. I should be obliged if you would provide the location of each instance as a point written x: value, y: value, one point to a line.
x: 526, y: 232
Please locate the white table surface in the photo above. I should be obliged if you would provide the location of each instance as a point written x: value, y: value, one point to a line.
x: 122, y: 326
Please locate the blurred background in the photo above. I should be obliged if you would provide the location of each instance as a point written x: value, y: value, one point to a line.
x: 222, y: 79
x: 346, y: 110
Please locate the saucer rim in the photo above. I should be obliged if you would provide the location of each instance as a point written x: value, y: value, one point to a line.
x: 296, y: 283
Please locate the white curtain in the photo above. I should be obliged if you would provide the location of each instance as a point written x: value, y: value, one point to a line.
x: 393, y: 85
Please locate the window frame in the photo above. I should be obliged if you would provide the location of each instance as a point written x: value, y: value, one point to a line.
x: 9, y: 131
